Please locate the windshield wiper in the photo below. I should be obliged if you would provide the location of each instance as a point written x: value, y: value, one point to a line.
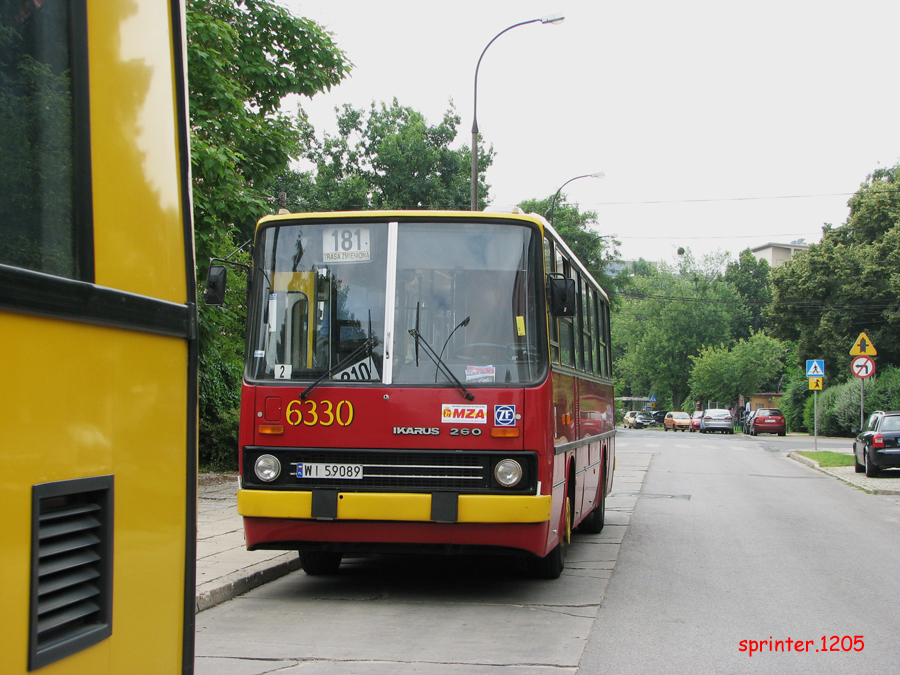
x: 441, y: 365
x: 461, y: 324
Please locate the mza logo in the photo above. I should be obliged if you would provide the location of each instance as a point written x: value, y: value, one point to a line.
x: 504, y: 415
x: 464, y: 414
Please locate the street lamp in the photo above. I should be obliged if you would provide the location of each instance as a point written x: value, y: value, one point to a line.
x: 599, y: 174
x: 553, y: 19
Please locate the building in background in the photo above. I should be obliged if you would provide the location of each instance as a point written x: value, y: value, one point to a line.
x: 777, y: 254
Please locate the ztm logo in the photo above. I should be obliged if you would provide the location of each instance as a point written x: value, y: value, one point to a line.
x: 505, y: 415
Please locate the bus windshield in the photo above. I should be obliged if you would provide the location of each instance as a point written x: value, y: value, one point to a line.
x: 469, y: 291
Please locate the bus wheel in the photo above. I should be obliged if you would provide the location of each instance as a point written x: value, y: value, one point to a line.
x: 552, y: 564
x: 594, y: 522
x: 320, y: 562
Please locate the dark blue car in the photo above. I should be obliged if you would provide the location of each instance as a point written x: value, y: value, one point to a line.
x: 877, y: 446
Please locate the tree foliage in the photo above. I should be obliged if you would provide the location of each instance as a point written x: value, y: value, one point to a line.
x: 752, y: 365
x: 388, y: 157
x: 665, y: 319
x: 750, y: 277
x: 579, y: 230
x: 244, y: 57
x: 847, y: 284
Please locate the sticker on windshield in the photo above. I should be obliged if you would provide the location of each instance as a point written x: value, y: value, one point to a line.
x: 363, y: 370
x: 273, y: 312
x: 345, y: 244
x: 283, y: 371
x: 480, y: 373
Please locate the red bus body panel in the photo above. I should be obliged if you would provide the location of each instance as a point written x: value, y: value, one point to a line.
x: 556, y: 413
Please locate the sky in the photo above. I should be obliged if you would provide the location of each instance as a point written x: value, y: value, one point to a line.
x: 718, y: 125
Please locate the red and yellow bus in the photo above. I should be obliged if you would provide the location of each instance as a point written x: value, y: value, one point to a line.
x: 423, y: 381
x: 97, y: 339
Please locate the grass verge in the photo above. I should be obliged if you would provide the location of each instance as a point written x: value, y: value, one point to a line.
x: 827, y: 459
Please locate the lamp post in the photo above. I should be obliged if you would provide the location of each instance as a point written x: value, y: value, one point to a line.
x: 599, y: 174
x: 553, y: 19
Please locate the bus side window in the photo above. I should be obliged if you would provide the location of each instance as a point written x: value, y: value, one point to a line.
x: 566, y: 328
x: 590, y: 344
x: 578, y: 321
x: 602, y: 338
x: 550, y: 267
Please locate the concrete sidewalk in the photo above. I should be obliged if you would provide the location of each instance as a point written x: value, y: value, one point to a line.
x: 225, y: 568
x: 888, y: 484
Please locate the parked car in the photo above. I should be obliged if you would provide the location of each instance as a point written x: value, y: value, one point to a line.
x: 695, y: 420
x: 877, y: 447
x: 717, y: 419
x: 645, y: 419
x: 635, y: 419
x: 766, y: 421
x: 659, y: 416
x: 677, y: 421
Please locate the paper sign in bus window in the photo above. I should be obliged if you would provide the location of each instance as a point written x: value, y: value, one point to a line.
x: 363, y: 370
x: 480, y: 373
x: 345, y: 244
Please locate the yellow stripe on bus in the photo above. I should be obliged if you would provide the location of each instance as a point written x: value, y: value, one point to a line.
x: 397, y: 506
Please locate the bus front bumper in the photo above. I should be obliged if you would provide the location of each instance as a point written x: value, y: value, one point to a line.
x: 395, y: 507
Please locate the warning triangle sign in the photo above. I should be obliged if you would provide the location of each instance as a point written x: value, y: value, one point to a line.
x: 863, y: 346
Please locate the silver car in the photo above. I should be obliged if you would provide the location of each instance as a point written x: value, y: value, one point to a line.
x: 717, y: 419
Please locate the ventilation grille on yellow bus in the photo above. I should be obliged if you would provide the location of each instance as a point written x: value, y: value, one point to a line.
x: 71, y: 568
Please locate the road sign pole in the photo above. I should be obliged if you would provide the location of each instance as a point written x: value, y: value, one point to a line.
x: 862, y: 404
x: 816, y: 420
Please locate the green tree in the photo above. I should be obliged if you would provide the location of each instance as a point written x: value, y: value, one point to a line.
x: 750, y: 366
x: 579, y: 230
x: 244, y: 57
x: 847, y: 284
x: 388, y: 157
x: 750, y: 277
x: 665, y: 319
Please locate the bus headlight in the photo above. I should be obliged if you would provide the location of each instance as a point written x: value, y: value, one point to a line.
x: 508, y: 472
x: 267, y: 468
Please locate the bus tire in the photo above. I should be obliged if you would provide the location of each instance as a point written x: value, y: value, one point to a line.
x: 593, y: 523
x: 552, y: 564
x: 315, y: 563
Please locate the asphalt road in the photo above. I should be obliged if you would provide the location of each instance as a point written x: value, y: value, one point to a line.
x: 712, y: 540
x: 732, y: 542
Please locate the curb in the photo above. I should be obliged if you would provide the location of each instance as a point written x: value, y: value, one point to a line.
x: 864, y: 484
x: 246, y: 580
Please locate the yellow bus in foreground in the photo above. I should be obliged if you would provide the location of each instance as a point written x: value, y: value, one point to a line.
x: 97, y: 339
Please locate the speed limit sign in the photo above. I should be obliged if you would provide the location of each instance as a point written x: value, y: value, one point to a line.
x: 863, y: 366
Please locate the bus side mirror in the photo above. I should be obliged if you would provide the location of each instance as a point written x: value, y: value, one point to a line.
x: 215, y: 285
x: 561, y: 295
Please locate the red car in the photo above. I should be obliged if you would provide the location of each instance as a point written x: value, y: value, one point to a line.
x: 695, y: 420
x: 766, y: 421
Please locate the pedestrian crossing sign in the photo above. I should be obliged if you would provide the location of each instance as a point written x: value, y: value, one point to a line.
x: 815, y: 368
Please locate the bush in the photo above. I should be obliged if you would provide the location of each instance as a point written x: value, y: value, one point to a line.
x: 793, y: 404
x: 839, y: 412
x: 882, y: 392
x: 835, y: 410
x: 219, y: 442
